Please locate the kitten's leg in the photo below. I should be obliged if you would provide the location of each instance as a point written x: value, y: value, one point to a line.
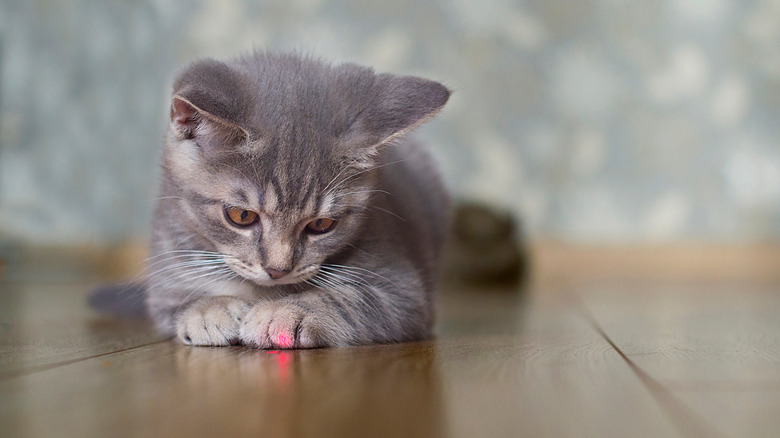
x: 211, y: 321
x: 348, y: 315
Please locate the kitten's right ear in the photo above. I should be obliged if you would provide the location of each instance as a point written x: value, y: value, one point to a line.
x: 209, y: 131
x: 184, y: 117
x: 208, y: 106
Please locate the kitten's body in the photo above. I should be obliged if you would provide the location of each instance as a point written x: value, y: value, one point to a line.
x: 294, y: 139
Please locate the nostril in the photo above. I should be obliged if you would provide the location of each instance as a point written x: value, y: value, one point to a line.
x: 277, y: 273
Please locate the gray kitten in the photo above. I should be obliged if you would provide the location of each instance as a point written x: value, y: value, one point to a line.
x: 293, y: 211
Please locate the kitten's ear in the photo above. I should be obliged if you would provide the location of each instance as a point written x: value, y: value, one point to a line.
x: 210, y: 132
x: 400, y: 104
x: 206, y: 105
x: 184, y: 117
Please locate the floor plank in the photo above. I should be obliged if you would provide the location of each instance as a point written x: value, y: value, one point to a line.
x: 555, y: 376
x: 715, y: 348
x: 694, y: 334
x: 43, y: 324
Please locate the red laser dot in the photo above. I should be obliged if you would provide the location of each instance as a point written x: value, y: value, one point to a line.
x: 283, y: 340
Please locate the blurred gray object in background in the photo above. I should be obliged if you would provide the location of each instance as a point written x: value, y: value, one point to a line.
x: 485, y: 247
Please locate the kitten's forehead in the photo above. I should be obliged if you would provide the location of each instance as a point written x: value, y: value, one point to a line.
x: 300, y: 97
x: 292, y: 175
x: 279, y: 185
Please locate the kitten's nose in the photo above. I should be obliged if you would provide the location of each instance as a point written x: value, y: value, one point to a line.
x: 277, y: 273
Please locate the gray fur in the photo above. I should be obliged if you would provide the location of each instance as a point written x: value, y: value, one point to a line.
x: 295, y: 139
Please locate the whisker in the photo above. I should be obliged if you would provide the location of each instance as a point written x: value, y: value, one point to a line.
x: 182, y: 265
x: 356, y: 269
x: 351, y: 276
x: 360, y: 173
x: 194, y: 255
x: 187, y: 251
x: 196, y: 290
x: 185, y: 259
x: 389, y: 212
x: 341, y: 195
x: 339, y: 174
x: 191, y: 275
x: 360, y: 286
x: 192, y: 270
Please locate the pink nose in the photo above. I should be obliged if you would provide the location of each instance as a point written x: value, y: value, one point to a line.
x: 277, y: 273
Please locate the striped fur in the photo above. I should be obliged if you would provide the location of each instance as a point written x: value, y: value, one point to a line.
x: 295, y: 138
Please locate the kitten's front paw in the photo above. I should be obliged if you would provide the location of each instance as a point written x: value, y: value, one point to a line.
x: 284, y: 325
x: 212, y: 321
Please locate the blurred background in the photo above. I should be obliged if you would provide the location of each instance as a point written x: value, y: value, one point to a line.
x: 592, y: 121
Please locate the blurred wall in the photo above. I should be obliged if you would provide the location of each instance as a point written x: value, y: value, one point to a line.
x: 600, y: 120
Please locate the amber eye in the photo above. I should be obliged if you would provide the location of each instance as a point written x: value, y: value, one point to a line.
x: 240, y: 217
x: 321, y: 225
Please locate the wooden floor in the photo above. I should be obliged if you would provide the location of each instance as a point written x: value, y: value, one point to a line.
x: 614, y: 356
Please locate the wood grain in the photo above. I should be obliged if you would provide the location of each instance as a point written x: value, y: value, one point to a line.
x: 505, y: 367
x: 694, y: 335
x: 713, y: 348
x: 47, y: 323
x: 621, y: 355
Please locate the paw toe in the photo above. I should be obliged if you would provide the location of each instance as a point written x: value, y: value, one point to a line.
x: 282, y: 332
x: 211, y: 322
x: 272, y: 326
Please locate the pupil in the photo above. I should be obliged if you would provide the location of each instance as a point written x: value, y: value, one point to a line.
x: 318, y: 223
x: 244, y: 214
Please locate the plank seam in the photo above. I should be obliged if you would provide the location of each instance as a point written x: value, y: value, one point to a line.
x: 9, y: 375
x: 687, y: 422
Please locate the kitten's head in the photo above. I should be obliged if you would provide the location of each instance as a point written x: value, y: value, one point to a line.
x: 273, y: 155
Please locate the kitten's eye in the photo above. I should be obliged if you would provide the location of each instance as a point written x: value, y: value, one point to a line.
x: 240, y: 217
x: 321, y: 225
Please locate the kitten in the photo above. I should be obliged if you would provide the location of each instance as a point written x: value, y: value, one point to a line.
x: 294, y: 212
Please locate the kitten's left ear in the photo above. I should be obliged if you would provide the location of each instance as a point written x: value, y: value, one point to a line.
x: 400, y: 104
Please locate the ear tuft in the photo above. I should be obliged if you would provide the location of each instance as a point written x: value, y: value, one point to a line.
x: 213, y: 134
x: 184, y: 117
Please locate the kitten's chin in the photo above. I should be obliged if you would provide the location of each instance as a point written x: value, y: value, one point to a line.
x: 286, y: 280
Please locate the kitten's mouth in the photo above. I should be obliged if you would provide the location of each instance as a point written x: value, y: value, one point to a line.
x: 261, y: 278
x: 298, y: 275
